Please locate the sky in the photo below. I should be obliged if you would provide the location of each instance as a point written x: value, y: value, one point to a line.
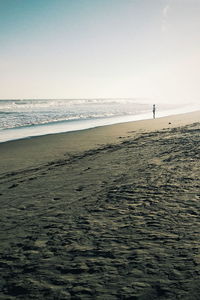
x: 100, y: 49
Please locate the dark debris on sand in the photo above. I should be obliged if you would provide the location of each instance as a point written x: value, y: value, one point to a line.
x: 118, y: 222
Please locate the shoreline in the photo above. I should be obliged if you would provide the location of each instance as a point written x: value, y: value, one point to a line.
x: 28, y: 152
x: 64, y: 126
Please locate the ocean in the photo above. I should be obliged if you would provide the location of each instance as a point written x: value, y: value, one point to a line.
x: 27, y: 118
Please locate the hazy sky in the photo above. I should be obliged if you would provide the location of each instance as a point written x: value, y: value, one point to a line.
x: 100, y: 48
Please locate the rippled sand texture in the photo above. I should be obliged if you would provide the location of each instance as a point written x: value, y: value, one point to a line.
x: 118, y: 222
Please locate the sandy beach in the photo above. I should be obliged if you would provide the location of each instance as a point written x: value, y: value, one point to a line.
x: 105, y: 213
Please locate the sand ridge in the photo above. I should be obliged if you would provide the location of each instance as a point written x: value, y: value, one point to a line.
x: 117, y: 222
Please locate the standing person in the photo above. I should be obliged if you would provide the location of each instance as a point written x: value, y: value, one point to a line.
x: 154, y: 111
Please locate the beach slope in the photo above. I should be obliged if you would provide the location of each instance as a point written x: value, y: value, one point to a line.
x: 118, y: 220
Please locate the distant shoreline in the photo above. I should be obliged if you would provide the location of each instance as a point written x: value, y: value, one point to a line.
x: 30, y: 131
x: 25, y: 153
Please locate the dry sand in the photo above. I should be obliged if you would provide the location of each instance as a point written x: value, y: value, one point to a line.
x: 106, y: 213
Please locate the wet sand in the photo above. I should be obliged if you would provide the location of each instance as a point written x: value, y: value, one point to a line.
x: 106, y: 213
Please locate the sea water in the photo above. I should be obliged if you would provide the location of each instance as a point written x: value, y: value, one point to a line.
x: 28, y: 118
